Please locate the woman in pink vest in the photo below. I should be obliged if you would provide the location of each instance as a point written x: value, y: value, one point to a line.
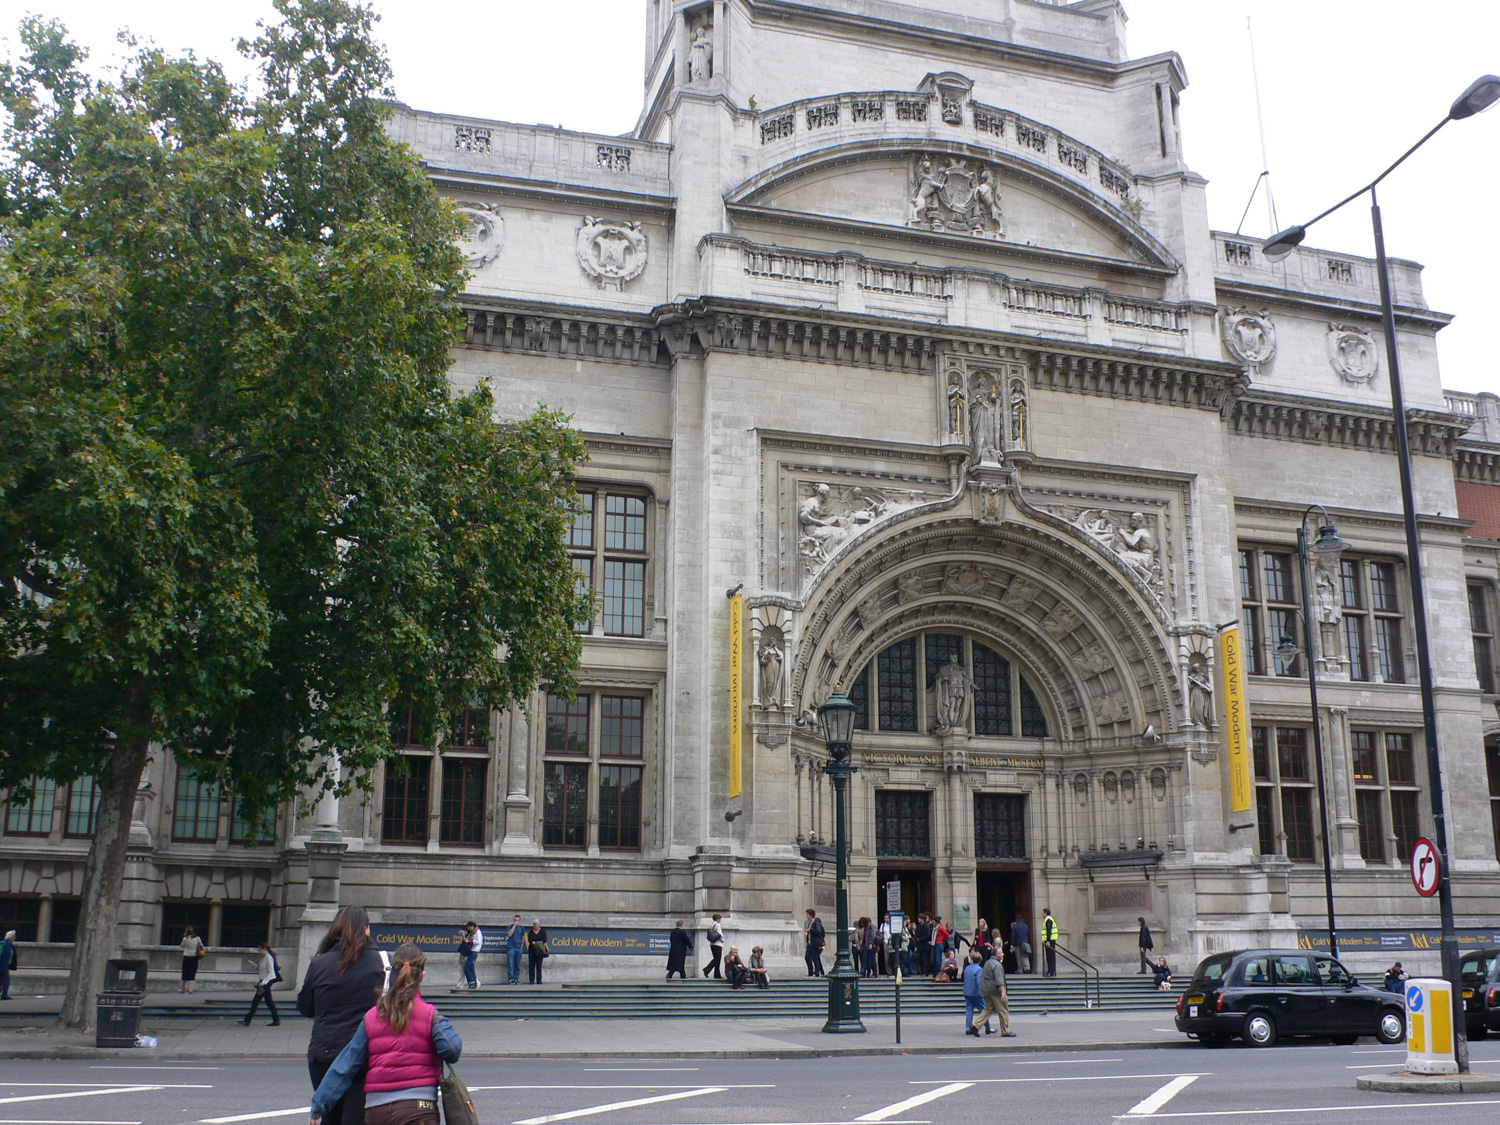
x: 401, y: 1046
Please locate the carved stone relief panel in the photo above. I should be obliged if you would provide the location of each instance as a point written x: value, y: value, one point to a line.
x: 1134, y: 537
x: 1353, y: 353
x: 830, y: 514
x: 910, y: 586
x: 985, y: 405
x: 1249, y: 337
x: 1020, y: 593
x: 965, y: 578
x: 483, y: 234
x: 611, y: 253
x: 949, y: 194
x: 1060, y: 622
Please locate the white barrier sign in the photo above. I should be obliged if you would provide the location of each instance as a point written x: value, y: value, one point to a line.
x: 1429, y: 1026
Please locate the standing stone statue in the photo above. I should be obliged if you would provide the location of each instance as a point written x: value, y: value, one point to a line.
x: 1017, y: 416
x: 701, y: 54
x: 770, y: 674
x: 956, y: 405
x: 1200, y: 694
x: 953, y: 687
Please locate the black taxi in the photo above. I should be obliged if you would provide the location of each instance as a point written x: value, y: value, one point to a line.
x: 1479, y: 969
x: 1260, y: 995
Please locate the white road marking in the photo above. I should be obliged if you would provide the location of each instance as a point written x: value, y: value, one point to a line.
x: 74, y: 1094
x: 39, y: 1121
x: 74, y: 1085
x: 1318, y: 1109
x: 1150, y: 1105
x: 911, y: 1103
x: 633, y: 1103
x: 1065, y: 1078
x: 641, y: 1086
x: 1379, y: 1051
x: 262, y: 1116
x: 1369, y: 1066
x: 1060, y: 1062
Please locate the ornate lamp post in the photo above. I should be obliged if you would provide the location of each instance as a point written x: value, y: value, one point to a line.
x: 837, y: 717
x: 1328, y: 548
x: 1481, y: 94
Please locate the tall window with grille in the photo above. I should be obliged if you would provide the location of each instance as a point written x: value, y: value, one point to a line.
x: 901, y: 823
x: 888, y: 692
x: 1371, y: 622
x: 1369, y: 794
x: 999, y: 826
x: 195, y: 807
x: 403, y: 817
x: 1482, y: 626
x: 83, y: 807
x: 595, y: 752
x: 32, y: 817
x: 1401, y: 775
x: 1283, y: 791
x: 1268, y: 603
x: 607, y: 539
x: 1492, y: 768
x: 1385, y: 793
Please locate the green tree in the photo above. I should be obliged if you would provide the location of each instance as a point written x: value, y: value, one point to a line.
x: 241, y: 510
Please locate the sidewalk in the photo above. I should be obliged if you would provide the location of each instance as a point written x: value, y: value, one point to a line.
x: 205, y: 1039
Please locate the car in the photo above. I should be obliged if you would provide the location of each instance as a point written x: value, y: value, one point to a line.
x: 1479, y: 969
x: 1261, y: 995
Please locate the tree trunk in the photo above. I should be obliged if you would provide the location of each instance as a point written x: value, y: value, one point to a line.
x: 102, y: 876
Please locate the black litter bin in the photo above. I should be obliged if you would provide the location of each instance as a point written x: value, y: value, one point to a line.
x: 119, y: 1012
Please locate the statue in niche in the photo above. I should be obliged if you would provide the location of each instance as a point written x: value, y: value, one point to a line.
x: 1328, y: 613
x: 953, y: 687
x: 1200, y: 692
x: 1017, y: 416
x: 956, y: 405
x: 771, y: 667
x: 984, y: 422
x: 701, y: 54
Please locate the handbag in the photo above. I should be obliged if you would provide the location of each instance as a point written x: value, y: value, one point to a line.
x: 458, y: 1107
x: 543, y: 949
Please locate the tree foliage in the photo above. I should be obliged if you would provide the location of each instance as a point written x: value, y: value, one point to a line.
x: 241, y: 510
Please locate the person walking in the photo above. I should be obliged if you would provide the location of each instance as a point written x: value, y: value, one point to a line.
x: 757, y: 968
x: 715, y: 948
x: 816, y: 937
x: 1049, y: 941
x: 679, y: 945
x: 537, y: 950
x: 270, y: 973
x: 344, y: 979
x: 1020, y: 941
x: 400, y: 1045
x: 472, y: 944
x: 515, y: 945
x: 7, y: 962
x: 996, y: 996
x: 1147, y: 945
x: 193, y: 950
x: 940, y: 935
x: 973, y: 999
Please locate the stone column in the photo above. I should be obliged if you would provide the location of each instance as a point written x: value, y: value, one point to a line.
x: 518, y: 839
x: 325, y: 860
x: 1345, y: 826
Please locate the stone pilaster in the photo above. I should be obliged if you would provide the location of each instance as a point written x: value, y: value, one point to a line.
x: 518, y: 820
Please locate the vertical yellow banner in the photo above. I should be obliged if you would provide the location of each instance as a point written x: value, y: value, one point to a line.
x: 1236, y: 718
x: 736, y: 691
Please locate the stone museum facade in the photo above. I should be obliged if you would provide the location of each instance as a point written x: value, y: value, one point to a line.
x: 905, y: 321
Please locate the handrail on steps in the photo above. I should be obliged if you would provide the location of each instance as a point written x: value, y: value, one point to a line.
x: 1087, y: 967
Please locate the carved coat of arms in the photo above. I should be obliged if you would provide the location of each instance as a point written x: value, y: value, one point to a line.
x: 1352, y: 353
x: 483, y: 233
x: 1249, y: 337
x: 949, y: 194
x: 611, y: 253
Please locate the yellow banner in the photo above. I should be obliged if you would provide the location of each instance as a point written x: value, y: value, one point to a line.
x: 1236, y: 718
x: 736, y: 691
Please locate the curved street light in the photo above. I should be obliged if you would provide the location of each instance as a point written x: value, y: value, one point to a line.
x: 837, y: 719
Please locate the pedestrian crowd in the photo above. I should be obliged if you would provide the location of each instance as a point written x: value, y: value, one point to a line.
x: 927, y: 946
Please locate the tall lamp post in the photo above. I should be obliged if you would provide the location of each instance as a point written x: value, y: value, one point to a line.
x: 1482, y: 93
x: 1328, y: 548
x: 837, y: 718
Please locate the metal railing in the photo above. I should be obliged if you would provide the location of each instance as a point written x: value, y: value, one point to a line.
x: 1087, y: 967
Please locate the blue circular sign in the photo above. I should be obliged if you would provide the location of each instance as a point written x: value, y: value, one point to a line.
x: 1414, y: 999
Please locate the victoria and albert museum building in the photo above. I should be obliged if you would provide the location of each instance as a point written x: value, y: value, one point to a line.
x: 909, y: 364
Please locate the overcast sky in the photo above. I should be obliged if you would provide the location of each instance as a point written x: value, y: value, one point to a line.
x: 1346, y: 86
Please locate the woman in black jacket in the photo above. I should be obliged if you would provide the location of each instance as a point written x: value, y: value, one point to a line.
x: 343, y: 982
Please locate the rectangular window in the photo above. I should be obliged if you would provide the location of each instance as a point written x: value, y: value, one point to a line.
x: 624, y: 598
x: 1291, y: 753
x: 1383, y: 587
x: 66, y: 915
x: 896, y: 670
x: 567, y: 725
x: 176, y: 917
x: 1260, y: 752
x: 1283, y: 628
x: 583, y: 583
x: 1255, y: 653
x: 901, y: 824
x: 21, y: 913
x: 83, y: 807
x: 1349, y: 584
x: 581, y: 521
x: 1400, y: 768
x: 470, y: 730
x: 1278, y: 569
x: 621, y: 725
x: 565, y: 805
x: 1265, y: 816
x: 404, y: 816
x: 1296, y: 820
x: 1371, y: 833
x: 1388, y: 646
x: 1483, y: 630
x: 462, y: 816
x: 991, y: 693
x: 1247, y: 576
x: 256, y: 831
x: 859, y: 695
x: 1354, y: 647
x: 999, y: 826
x: 624, y: 524
x: 1363, y: 756
x: 195, y: 812
x: 1404, y: 822
x: 244, y: 925
x: 33, y: 817
x: 620, y: 807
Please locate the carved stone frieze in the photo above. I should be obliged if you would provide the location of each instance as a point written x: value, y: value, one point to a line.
x: 1109, y: 709
x: 910, y: 586
x: 1060, y: 622
x: 1020, y: 593
x: 952, y: 194
x: 1249, y: 337
x: 483, y: 234
x: 829, y: 515
x: 965, y: 578
x: 1095, y: 658
x: 1134, y: 538
x: 611, y: 253
x: 1353, y: 353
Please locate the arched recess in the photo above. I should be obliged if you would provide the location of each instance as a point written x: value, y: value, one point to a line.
x: 1096, y: 648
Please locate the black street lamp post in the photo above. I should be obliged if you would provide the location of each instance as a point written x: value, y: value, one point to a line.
x: 1328, y: 548
x: 837, y: 717
x: 1481, y: 94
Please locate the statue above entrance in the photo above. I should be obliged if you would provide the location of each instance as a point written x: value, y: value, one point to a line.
x: 953, y: 687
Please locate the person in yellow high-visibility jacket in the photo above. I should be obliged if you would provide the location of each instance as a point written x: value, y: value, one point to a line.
x: 1049, y: 942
